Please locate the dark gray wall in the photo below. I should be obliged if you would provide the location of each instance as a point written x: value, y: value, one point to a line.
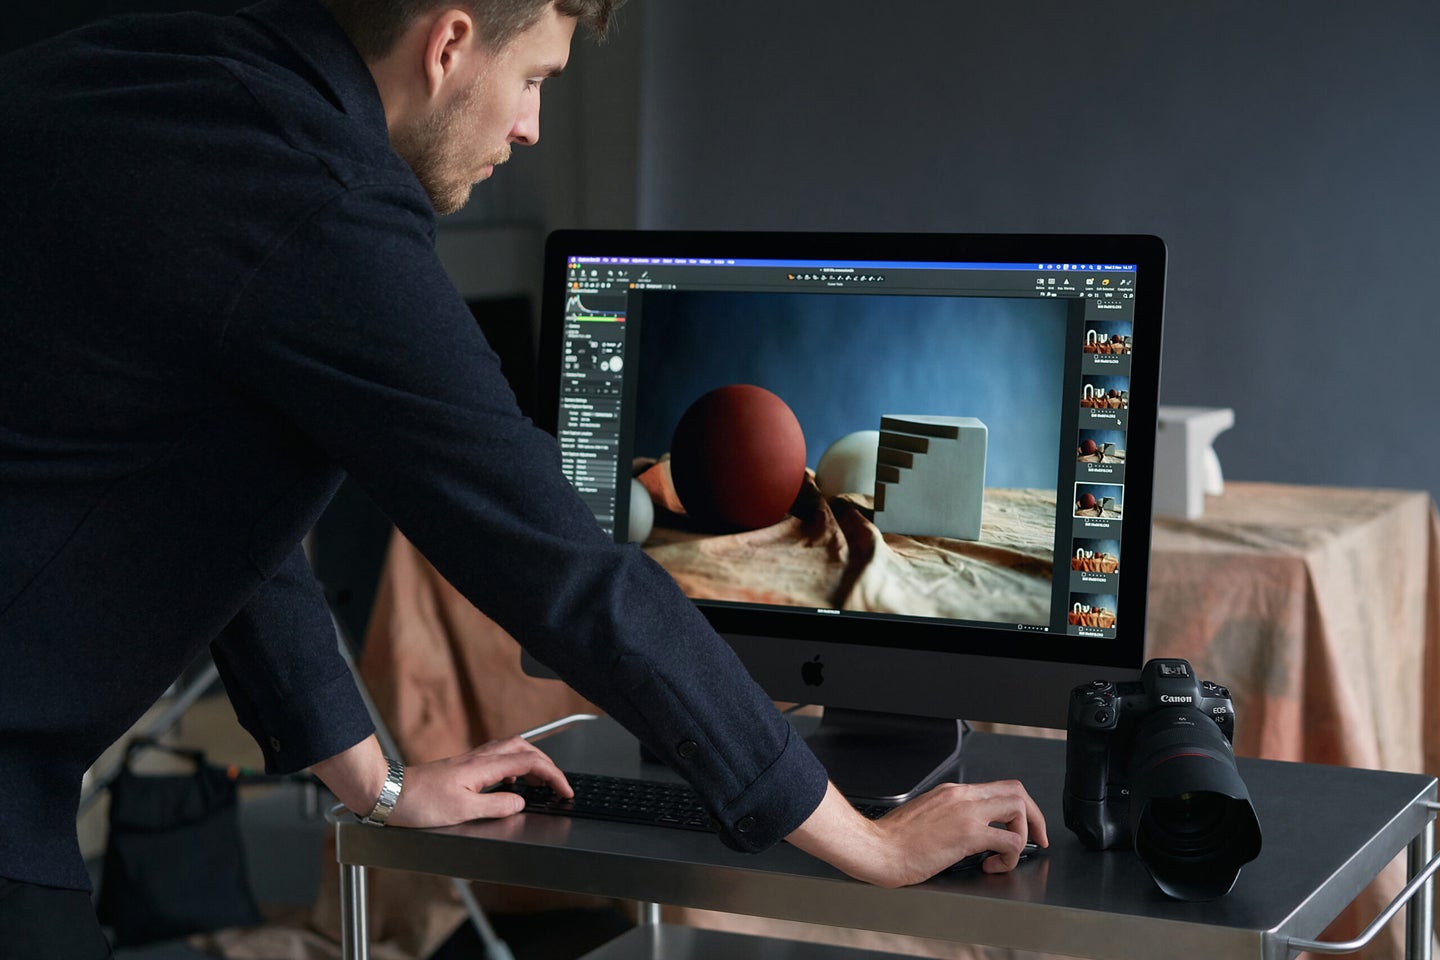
x: 1287, y: 152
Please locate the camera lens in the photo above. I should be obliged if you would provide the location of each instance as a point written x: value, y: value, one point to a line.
x: 1191, y: 818
x: 1192, y: 824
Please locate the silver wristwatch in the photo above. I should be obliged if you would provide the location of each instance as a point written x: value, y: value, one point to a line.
x: 389, y: 794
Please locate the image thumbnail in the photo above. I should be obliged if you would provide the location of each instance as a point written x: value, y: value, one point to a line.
x: 1096, y: 556
x: 1111, y: 337
x: 1099, y: 500
x: 1101, y: 446
x: 1105, y: 393
x: 1091, y: 610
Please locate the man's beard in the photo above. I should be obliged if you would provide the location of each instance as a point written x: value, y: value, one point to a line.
x: 437, y: 148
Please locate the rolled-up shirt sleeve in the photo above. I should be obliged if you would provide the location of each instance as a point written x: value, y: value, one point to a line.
x: 375, y: 356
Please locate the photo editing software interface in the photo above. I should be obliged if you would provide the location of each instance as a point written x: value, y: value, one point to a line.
x: 895, y: 440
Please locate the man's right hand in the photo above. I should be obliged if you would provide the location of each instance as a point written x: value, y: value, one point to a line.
x: 926, y: 835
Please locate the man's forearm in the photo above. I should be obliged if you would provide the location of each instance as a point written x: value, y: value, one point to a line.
x: 355, y: 776
x: 928, y: 834
x: 841, y: 837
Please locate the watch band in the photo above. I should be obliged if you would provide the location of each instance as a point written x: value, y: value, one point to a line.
x: 389, y: 794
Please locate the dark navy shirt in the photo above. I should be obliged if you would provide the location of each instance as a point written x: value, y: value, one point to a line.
x: 218, y: 291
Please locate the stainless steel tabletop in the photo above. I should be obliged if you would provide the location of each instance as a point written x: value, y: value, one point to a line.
x: 1327, y: 832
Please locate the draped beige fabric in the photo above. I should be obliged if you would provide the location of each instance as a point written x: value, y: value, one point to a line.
x: 829, y: 553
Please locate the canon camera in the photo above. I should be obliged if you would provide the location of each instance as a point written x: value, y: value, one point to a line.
x: 1151, y: 763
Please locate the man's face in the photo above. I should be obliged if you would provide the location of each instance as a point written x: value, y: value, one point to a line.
x: 497, y: 103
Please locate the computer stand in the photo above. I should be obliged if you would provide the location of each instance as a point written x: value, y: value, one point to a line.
x: 887, y: 757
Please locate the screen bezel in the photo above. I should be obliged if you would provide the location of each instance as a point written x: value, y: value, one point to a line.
x: 913, y: 669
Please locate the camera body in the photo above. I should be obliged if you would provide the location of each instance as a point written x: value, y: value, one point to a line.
x: 1104, y: 722
x: 1151, y: 763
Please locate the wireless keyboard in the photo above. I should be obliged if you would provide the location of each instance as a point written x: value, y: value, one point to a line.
x: 633, y: 801
x: 664, y: 804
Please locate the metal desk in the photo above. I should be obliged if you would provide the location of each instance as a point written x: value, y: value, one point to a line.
x: 1327, y: 832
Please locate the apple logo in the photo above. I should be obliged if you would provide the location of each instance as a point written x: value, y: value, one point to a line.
x: 813, y: 672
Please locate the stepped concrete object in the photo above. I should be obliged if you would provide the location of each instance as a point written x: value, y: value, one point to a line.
x: 930, y: 476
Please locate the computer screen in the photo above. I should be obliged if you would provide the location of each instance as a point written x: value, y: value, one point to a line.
x: 907, y: 477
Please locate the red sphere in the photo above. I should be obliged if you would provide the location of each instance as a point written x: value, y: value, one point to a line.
x: 1087, y: 447
x: 1087, y: 501
x: 738, y: 458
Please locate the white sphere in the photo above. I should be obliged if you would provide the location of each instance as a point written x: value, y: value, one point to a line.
x: 642, y: 512
x: 848, y: 464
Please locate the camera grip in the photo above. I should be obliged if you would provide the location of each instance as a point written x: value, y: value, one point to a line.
x: 1094, y: 715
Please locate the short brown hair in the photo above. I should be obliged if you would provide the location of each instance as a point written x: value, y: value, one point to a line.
x: 374, y: 26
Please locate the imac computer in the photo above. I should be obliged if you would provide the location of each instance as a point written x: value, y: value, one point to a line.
x: 908, y: 477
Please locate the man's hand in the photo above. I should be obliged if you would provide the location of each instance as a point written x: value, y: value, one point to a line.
x: 925, y: 836
x: 450, y: 791
x: 442, y: 792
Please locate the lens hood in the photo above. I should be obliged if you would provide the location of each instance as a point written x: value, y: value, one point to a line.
x: 1190, y: 813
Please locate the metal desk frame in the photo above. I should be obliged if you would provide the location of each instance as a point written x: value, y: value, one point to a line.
x: 1328, y: 831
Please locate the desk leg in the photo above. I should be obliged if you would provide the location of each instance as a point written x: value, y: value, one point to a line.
x: 1420, y: 914
x: 354, y: 913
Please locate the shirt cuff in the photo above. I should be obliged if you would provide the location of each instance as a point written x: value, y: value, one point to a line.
x: 313, y: 725
x: 777, y: 802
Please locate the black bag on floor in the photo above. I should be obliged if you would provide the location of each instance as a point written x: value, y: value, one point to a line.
x: 174, y: 864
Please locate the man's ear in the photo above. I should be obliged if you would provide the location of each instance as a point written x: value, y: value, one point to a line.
x: 450, y: 43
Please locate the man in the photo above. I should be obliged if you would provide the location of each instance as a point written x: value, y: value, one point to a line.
x: 218, y: 291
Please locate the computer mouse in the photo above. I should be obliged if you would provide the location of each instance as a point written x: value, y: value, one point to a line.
x: 973, y: 861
